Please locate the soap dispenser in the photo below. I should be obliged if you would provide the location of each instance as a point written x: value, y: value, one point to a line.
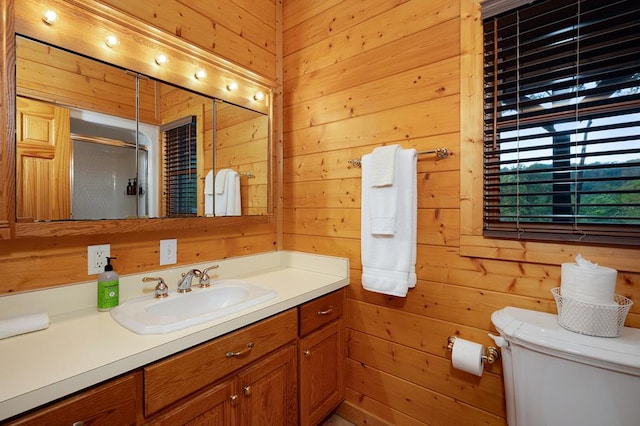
x: 108, y: 287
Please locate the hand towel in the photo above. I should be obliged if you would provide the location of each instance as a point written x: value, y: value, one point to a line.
x: 227, y: 202
x: 382, y: 174
x: 20, y: 324
x: 383, y: 164
x: 388, y: 261
x: 233, y: 194
x: 208, y: 183
x: 221, y: 180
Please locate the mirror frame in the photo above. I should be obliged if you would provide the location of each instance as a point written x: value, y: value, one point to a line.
x: 143, y: 39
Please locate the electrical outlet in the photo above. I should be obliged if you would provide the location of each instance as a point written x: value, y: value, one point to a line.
x: 168, y: 252
x: 97, y: 258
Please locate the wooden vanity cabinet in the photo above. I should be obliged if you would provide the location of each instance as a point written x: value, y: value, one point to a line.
x: 246, y: 377
x: 115, y: 402
x: 321, y: 355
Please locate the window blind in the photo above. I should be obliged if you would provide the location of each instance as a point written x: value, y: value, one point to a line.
x: 180, y: 168
x: 562, y: 122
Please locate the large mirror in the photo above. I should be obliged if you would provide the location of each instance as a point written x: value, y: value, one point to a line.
x: 95, y: 141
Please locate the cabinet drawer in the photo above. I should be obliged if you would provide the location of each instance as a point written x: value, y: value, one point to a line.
x: 112, y: 403
x: 169, y: 380
x: 321, y: 311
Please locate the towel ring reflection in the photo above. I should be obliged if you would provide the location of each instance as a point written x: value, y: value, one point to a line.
x: 440, y: 153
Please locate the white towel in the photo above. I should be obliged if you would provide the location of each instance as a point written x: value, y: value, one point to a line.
x: 208, y: 183
x: 388, y: 261
x: 227, y: 202
x: 383, y: 164
x: 20, y: 324
x: 208, y: 194
x: 221, y: 180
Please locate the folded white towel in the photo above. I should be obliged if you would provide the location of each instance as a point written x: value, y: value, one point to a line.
x: 388, y: 261
x: 228, y: 202
x: 221, y: 180
x: 233, y: 194
x: 208, y: 183
x: 21, y: 324
x: 383, y: 164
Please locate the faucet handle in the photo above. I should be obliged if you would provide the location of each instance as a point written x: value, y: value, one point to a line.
x: 205, y: 280
x: 162, y: 289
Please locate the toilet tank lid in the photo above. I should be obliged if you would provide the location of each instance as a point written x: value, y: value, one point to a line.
x: 540, y: 331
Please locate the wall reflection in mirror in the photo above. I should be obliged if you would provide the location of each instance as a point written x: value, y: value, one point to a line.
x: 94, y: 141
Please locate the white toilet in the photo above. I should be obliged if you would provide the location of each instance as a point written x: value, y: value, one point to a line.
x: 554, y: 377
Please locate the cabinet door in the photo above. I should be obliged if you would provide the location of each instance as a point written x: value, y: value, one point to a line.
x: 321, y: 356
x: 216, y: 406
x: 268, y: 390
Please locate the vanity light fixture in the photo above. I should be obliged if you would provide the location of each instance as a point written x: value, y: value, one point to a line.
x: 49, y: 17
x: 161, y: 59
x: 258, y: 96
x: 232, y: 86
x: 200, y: 74
x: 111, y: 41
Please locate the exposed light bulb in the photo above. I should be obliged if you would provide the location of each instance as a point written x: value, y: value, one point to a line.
x: 161, y: 59
x: 200, y: 74
x: 111, y: 41
x: 49, y: 17
x: 232, y: 86
x: 258, y: 96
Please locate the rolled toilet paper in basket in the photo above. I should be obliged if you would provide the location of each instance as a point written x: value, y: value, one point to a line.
x: 467, y: 356
x: 588, y: 282
x: 21, y: 324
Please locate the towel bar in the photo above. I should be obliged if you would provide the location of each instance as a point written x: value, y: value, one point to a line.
x: 440, y: 152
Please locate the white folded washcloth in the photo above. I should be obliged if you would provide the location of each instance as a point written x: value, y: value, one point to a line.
x: 383, y: 164
x: 388, y: 261
x: 21, y: 324
x: 221, y: 180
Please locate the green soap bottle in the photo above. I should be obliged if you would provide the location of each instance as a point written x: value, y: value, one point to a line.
x: 108, y: 287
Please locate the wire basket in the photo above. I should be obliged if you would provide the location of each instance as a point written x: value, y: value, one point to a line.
x: 590, y: 318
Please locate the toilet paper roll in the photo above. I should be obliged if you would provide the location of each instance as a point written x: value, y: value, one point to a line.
x: 467, y: 356
x: 23, y: 324
x: 588, y: 284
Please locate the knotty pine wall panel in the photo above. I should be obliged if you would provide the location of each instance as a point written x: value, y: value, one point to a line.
x: 242, y: 31
x: 234, y: 29
x: 356, y: 78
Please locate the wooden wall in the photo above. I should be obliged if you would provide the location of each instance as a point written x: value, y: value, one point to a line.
x: 241, y: 31
x: 406, y: 72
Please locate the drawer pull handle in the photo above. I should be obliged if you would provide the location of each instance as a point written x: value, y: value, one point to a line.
x: 234, y: 399
x: 326, y: 311
x: 78, y: 423
x: 241, y: 353
x: 247, y: 390
x: 307, y: 354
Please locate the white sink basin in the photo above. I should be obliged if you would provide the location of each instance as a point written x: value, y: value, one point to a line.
x: 149, y: 315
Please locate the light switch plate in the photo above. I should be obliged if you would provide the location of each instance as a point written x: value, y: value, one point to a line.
x: 168, y: 252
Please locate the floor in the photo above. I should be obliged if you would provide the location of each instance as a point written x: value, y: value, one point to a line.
x: 335, y: 420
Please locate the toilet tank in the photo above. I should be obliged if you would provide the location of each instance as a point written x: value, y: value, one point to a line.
x: 554, y: 377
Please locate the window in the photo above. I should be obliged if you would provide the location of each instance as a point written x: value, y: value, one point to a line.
x: 562, y: 121
x: 180, y: 168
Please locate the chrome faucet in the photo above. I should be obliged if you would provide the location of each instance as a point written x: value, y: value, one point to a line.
x: 205, y: 280
x: 162, y: 290
x: 184, y: 285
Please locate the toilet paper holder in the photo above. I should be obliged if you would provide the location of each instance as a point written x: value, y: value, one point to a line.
x: 490, y: 356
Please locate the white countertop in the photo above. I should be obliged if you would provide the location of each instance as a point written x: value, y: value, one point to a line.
x: 82, y: 347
